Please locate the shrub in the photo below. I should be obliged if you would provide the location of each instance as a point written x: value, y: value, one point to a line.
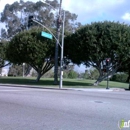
x: 72, y: 74
x: 120, y: 77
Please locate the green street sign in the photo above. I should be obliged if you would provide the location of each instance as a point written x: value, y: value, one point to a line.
x: 47, y: 35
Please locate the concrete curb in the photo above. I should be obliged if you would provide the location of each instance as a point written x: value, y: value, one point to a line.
x: 29, y: 86
x: 98, y: 90
x: 76, y: 89
x: 118, y: 89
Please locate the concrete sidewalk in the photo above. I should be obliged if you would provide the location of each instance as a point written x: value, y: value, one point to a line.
x: 98, y: 89
x: 56, y: 88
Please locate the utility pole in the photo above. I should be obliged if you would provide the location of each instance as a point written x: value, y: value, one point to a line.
x: 56, y: 45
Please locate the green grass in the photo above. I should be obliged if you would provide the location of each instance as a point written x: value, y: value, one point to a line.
x: 67, y: 83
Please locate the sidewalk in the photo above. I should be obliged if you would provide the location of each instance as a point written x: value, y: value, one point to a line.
x: 98, y: 89
x: 56, y: 88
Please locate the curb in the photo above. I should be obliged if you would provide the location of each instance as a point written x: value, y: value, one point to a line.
x: 29, y: 86
x: 118, y: 89
x: 76, y: 89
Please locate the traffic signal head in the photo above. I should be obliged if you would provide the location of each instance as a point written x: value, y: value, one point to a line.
x: 108, y: 60
x: 30, y: 21
x: 59, y: 22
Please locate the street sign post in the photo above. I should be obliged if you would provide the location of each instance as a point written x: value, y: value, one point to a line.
x: 47, y: 35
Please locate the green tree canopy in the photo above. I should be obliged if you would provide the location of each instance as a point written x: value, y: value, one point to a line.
x: 16, y: 16
x: 3, y: 58
x: 31, y: 48
x: 95, y: 42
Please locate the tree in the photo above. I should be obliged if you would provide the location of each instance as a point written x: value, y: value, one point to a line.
x: 3, y: 58
x: 31, y: 48
x: 2, y: 55
x: 16, y: 16
x: 95, y: 42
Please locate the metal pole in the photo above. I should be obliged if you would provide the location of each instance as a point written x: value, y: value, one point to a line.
x: 62, y: 53
x: 56, y: 46
x: 107, y: 78
x: 23, y: 69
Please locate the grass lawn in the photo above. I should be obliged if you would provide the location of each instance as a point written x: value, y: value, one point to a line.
x: 67, y: 83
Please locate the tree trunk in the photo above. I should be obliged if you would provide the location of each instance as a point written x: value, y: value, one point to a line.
x: 29, y: 70
x: 102, y: 77
x: 38, y: 77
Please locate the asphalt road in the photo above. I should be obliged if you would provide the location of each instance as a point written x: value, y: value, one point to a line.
x: 48, y: 109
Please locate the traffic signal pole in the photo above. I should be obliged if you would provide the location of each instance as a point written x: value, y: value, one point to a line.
x: 107, y: 69
x: 56, y: 45
x: 107, y: 79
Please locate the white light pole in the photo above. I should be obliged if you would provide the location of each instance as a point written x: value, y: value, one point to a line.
x: 47, y: 4
x: 47, y: 30
x: 23, y: 69
x: 62, y: 53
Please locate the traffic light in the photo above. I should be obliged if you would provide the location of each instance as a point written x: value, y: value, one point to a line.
x: 108, y: 60
x: 59, y: 22
x: 30, y: 21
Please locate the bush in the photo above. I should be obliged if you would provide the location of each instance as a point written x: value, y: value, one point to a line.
x: 65, y: 75
x: 120, y: 77
x: 91, y: 74
x: 72, y: 74
x: 86, y: 75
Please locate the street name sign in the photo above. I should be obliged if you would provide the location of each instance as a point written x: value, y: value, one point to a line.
x: 47, y: 35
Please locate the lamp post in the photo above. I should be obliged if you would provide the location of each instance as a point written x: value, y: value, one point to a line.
x: 23, y: 69
x: 62, y: 53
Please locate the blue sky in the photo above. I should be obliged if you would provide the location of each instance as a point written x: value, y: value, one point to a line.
x: 92, y: 10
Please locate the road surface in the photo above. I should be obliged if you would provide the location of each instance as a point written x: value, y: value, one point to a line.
x: 50, y: 109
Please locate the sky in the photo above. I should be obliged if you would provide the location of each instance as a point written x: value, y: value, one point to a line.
x: 89, y: 11
x: 93, y: 10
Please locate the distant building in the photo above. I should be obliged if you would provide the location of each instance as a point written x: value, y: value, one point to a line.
x: 4, y: 72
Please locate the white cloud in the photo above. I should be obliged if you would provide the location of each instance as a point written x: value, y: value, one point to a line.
x: 90, y: 5
x: 126, y: 16
x: 91, y: 10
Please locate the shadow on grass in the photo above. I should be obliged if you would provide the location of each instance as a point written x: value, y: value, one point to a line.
x: 43, y: 82
x: 70, y: 83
